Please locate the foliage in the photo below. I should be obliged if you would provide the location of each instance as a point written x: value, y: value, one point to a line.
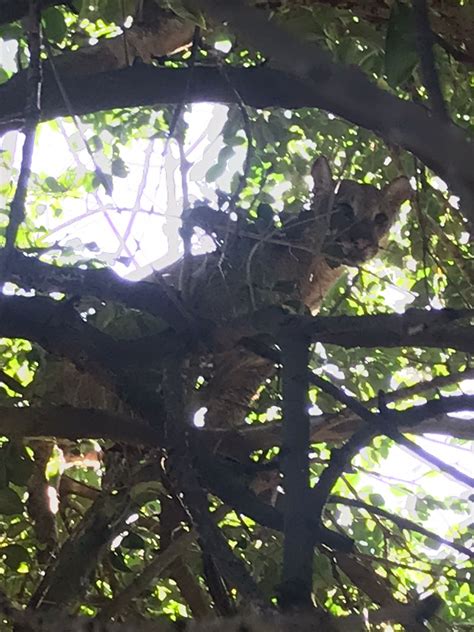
x: 113, y: 199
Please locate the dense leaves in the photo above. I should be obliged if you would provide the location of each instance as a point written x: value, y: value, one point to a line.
x: 109, y: 188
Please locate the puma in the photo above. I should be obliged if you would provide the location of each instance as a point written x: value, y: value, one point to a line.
x: 294, y: 265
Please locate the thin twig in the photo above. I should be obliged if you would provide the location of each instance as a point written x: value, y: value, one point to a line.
x: 425, y: 41
x: 32, y: 117
x: 420, y: 179
x: 402, y: 523
x: 383, y: 424
x: 186, y: 231
x: 78, y: 125
x: 12, y: 384
x: 179, y: 108
x: 250, y: 142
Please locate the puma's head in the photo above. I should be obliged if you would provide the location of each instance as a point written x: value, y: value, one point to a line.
x: 361, y: 214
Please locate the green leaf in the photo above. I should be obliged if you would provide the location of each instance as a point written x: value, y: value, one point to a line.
x: 19, y: 467
x: 142, y: 493
x: 113, y: 11
x: 54, y: 25
x: 4, y: 76
x: 10, y: 503
x: 215, y: 172
x: 133, y: 541
x: 119, y: 168
x: 377, y: 500
x: 236, y: 140
x: 17, y: 528
x: 53, y: 185
x: 400, y: 45
x: 183, y: 12
x: 117, y: 561
x: 432, y: 544
x: 14, y: 555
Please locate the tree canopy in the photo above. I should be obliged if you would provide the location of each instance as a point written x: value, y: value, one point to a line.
x: 141, y: 131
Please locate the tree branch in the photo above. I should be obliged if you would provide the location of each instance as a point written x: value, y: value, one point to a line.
x: 155, y: 569
x: 432, y: 417
x: 441, y: 146
x: 402, y: 523
x: 382, y: 423
x: 59, y: 329
x: 157, y: 298
x: 350, y: 94
x: 414, y: 328
x: 184, y: 482
x: 32, y: 115
x: 425, y: 41
x: 13, y: 10
x: 297, y: 572
x: 67, y: 422
x: 63, y: 582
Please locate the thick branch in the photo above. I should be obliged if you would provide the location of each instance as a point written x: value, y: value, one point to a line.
x: 59, y: 329
x: 441, y: 146
x: 67, y: 422
x: 350, y: 94
x: 230, y: 487
x: 185, y: 484
x: 414, y: 328
x: 335, y: 428
x: 158, y: 299
x: 64, y: 581
x: 297, y: 572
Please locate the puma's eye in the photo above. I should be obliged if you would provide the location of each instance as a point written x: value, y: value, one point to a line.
x: 380, y: 220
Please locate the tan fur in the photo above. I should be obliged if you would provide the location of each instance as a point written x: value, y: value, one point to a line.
x: 253, y: 271
x: 293, y: 266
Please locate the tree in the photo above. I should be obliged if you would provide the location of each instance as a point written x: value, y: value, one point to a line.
x: 112, y: 503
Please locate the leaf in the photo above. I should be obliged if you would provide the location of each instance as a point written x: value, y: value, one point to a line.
x: 104, y: 179
x: 133, y: 541
x: 377, y: 500
x: 53, y: 185
x: 142, y: 493
x: 236, y: 141
x: 113, y: 11
x: 177, y: 6
x: 119, y: 168
x: 434, y: 545
x: 14, y: 555
x: 54, y: 25
x: 17, y: 528
x: 4, y: 76
x: 117, y: 561
x: 10, y: 503
x: 400, y: 45
x: 19, y: 468
x: 215, y: 172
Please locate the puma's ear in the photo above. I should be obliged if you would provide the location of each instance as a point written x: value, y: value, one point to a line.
x: 396, y: 192
x: 322, y: 176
